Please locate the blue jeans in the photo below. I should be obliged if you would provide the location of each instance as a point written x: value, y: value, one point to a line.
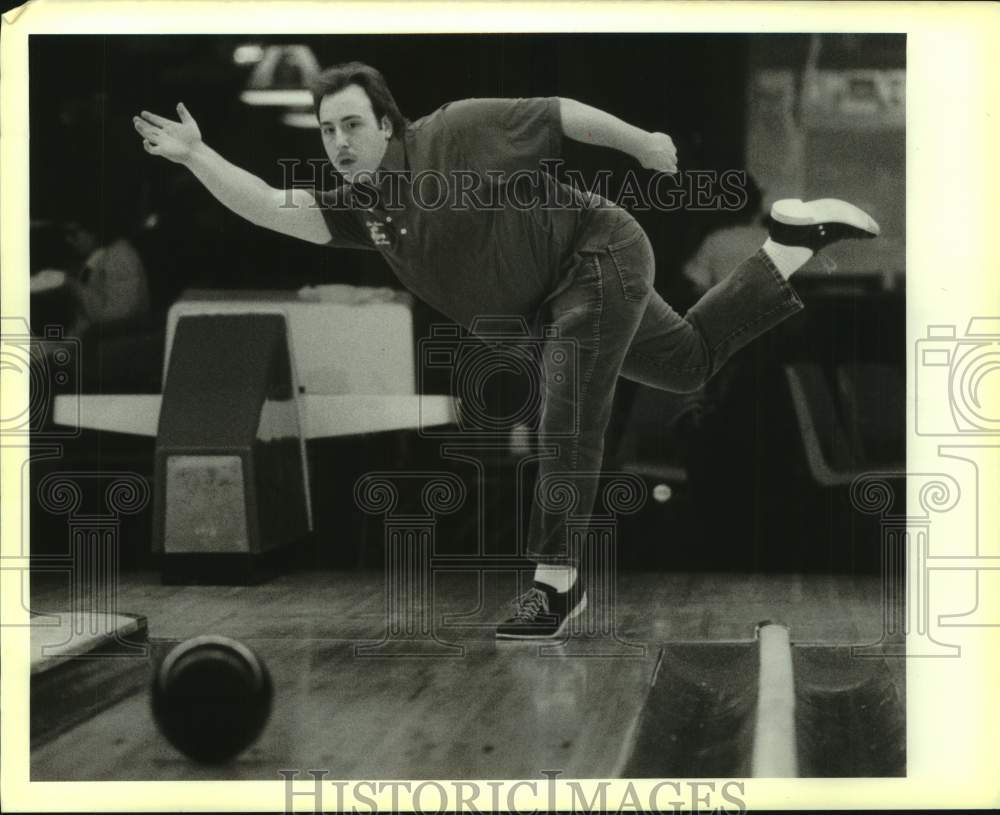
x: 618, y: 325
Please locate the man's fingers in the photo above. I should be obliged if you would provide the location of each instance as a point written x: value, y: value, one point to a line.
x: 159, y: 121
x: 183, y: 113
x: 149, y: 146
x: 144, y: 127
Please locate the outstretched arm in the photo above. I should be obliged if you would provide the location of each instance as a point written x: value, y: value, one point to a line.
x: 589, y: 125
x: 291, y: 212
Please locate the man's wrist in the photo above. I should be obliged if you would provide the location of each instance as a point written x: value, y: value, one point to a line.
x: 197, y: 153
x: 642, y: 144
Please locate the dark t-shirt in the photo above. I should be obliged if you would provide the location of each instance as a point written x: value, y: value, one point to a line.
x: 465, y: 213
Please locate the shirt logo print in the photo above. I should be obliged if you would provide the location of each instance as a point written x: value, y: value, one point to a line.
x: 377, y: 231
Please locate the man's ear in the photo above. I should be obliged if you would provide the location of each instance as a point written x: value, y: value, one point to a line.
x: 387, y: 127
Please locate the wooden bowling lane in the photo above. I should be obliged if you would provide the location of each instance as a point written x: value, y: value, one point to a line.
x: 651, y: 607
x: 496, y: 713
x: 707, y: 607
x: 499, y: 711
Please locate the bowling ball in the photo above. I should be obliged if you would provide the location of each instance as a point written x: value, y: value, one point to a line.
x: 211, y: 698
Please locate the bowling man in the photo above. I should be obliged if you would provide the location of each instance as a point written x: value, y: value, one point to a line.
x: 458, y: 205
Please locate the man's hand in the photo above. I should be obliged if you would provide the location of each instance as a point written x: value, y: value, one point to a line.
x: 245, y: 194
x: 587, y: 124
x: 172, y: 140
x: 659, y: 153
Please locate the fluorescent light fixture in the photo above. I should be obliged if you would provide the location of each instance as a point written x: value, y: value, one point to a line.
x: 278, y: 98
x: 248, y: 54
x: 281, y: 77
x: 302, y: 119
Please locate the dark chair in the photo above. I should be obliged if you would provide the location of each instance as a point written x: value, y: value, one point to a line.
x: 873, y: 400
x: 656, y: 430
x: 652, y: 441
x: 837, y: 451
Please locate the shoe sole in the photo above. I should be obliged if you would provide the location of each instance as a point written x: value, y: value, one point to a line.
x: 795, y: 212
x: 576, y: 612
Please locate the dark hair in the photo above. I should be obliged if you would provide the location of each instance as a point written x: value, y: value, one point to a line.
x: 370, y: 80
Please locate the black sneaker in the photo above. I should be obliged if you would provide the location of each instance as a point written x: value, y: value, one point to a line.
x: 541, y: 613
x: 817, y: 224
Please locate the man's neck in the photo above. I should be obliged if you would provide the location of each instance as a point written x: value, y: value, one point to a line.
x: 395, y: 155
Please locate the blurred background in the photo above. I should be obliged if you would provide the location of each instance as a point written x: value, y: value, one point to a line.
x: 751, y: 474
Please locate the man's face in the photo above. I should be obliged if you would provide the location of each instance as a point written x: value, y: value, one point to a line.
x: 354, y: 139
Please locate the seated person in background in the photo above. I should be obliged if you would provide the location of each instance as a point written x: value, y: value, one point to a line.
x: 53, y: 304
x: 109, y: 279
x: 723, y: 249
